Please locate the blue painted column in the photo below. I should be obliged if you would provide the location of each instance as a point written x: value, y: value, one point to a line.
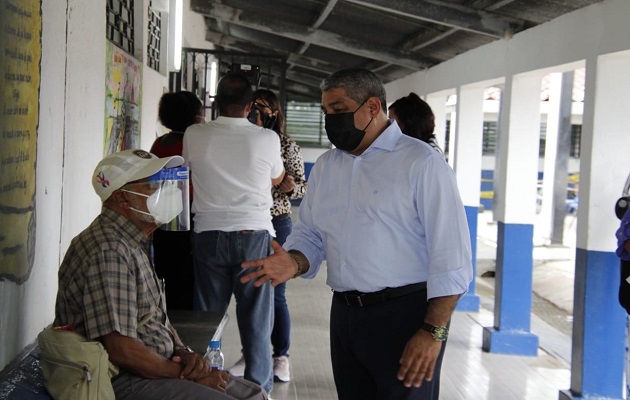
x: 511, y: 332
x: 599, y: 330
x: 470, y: 301
x: 598, y: 346
x: 466, y: 162
x: 516, y: 174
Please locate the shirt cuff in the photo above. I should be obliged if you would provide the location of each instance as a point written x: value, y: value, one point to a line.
x: 449, y: 283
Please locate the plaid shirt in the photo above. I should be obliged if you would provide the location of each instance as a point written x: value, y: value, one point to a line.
x: 107, y: 284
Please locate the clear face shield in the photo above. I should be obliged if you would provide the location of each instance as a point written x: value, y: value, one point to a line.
x: 169, y: 204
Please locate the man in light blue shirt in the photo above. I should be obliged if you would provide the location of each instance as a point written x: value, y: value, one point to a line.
x: 383, y: 209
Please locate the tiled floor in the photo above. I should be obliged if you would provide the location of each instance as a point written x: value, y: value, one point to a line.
x: 468, y: 373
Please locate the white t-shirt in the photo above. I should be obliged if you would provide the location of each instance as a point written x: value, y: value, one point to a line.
x: 232, y: 163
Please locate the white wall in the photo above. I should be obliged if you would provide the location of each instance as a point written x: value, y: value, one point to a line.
x: 69, y: 145
x: 194, y: 29
x: 24, y: 308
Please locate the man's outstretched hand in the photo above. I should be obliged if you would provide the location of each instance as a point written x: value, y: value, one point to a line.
x: 277, y: 268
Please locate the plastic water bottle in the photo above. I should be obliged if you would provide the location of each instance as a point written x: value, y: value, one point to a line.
x: 214, y: 355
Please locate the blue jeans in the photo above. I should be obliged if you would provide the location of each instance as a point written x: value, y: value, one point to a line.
x: 131, y: 387
x: 281, y: 333
x: 217, y: 265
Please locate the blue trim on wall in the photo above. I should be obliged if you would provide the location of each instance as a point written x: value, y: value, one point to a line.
x: 513, y: 293
x: 470, y: 301
x: 307, y: 169
x: 599, y: 328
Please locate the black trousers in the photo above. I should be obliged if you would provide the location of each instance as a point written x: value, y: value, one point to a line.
x: 366, y: 345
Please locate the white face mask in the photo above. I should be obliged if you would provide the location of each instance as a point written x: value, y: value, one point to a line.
x: 164, y: 204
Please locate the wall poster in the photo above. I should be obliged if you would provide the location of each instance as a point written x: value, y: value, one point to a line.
x: 20, y: 59
x: 123, y: 83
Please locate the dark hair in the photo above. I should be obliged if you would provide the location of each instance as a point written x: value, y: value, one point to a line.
x: 178, y: 110
x: 233, y: 90
x: 271, y: 100
x: 360, y: 84
x: 415, y: 117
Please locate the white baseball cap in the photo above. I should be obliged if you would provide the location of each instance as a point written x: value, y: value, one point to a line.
x: 118, y: 169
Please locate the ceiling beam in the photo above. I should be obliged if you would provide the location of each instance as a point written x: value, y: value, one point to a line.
x: 450, y: 14
x: 308, y: 35
x: 490, y: 5
x: 310, y: 63
x: 320, y: 20
x: 296, y: 83
x: 319, y: 66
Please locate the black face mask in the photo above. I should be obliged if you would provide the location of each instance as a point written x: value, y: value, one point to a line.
x: 341, y: 131
x: 268, y: 121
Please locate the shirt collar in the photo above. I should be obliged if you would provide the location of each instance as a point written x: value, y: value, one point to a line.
x: 388, y: 138
x: 126, y: 228
x: 232, y: 121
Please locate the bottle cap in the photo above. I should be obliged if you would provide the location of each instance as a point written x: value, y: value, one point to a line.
x: 214, y: 344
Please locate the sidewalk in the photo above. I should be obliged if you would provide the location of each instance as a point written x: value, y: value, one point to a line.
x: 468, y: 372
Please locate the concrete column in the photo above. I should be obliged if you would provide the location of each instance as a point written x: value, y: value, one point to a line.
x: 437, y: 102
x: 562, y: 153
x: 557, y: 148
x: 598, y: 319
x: 545, y: 216
x: 467, y: 166
x: 515, y: 182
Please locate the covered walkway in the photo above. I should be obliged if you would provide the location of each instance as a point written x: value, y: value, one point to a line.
x: 468, y: 372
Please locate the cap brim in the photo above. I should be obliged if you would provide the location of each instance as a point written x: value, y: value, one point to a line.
x: 156, y: 165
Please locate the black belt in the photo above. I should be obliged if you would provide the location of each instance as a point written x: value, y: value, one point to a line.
x: 359, y: 299
x: 281, y: 217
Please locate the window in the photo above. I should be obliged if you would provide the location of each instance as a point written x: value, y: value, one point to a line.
x: 154, y: 38
x: 120, y: 22
x: 305, y: 124
x: 489, y: 140
x: 576, y: 138
x: 542, y: 141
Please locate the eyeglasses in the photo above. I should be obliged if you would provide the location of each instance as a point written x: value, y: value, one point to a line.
x: 262, y: 105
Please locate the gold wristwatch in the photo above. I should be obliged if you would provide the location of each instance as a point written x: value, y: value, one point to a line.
x: 439, y: 333
x: 185, y: 349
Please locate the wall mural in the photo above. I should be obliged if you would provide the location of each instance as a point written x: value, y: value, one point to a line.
x: 20, y: 58
x: 122, y: 100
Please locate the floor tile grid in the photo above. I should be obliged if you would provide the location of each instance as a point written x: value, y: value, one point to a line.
x: 468, y: 373
x: 309, y: 305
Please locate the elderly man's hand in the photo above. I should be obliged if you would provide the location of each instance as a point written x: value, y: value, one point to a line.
x: 194, y: 366
x: 217, y: 380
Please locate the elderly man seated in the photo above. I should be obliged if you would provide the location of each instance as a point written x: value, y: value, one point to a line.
x: 109, y: 292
